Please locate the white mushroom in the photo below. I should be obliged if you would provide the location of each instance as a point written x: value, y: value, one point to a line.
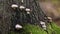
x: 27, y: 9
x: 14, y: 5
x: 28, y: 12
x: 50, y: 18
x: 17, y: 26
x: 41, y: 22
x: 22, y: 7
x: 43, y: 25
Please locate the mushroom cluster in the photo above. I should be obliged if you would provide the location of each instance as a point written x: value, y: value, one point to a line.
x: 14, y: 6
x: 28, y: 10
x: 21, y: 8
x: 43, y: 25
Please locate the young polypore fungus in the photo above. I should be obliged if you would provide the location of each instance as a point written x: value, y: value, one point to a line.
x: 22, y: 7
x: 28, y: 10
x: 14, y: 5
x: 17, y: 26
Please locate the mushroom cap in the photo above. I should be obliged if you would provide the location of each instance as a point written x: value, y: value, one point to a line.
x: 50, y: 18
x: 27, y: 9
x: 17, y: 26
x: 41, y: 22
x: 14, y: 5
x: 22, y: 7
x: 28, y: 12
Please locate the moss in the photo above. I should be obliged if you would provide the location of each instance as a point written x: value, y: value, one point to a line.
x: 33, y: 29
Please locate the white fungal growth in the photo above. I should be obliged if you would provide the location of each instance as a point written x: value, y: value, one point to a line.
x: 22, y: 7
x: 41, y: 22
x: 50, y: 18
x: 43, y: 25
x: 28, y: 12
x: 14, y: 5
x: 17, y: 26
x: 27, y: 9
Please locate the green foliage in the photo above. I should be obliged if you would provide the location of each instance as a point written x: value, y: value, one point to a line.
x: 56, y: 28
x: 28, y: 29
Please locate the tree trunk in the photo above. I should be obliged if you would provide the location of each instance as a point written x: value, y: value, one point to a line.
x: 10, y: 17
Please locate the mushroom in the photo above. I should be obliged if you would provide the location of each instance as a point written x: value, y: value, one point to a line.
x: 22, y: 7
x: 41, y: 22
x: 28, y: 10
x: 50, y: 19
x: 14, y: 5
x: 43, y: 25
x: 17, y: 26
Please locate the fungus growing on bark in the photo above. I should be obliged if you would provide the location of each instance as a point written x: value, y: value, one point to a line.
x: 17, y: 26
x: 22, y: 7
x: 28, y: 10
x: 14, y: 5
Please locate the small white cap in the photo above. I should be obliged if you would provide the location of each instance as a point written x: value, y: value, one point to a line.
x: 28, y: 12
x: 49, y: 18
x: 21, y: 7
x: 27, y: 9
x: 41, y: 22
x: 17, y: 26
x: 14, y: 5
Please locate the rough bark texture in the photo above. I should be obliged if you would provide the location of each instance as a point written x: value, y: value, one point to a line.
x: 6, y: 13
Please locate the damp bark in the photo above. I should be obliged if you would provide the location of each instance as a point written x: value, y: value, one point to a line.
x: 8, y: 15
